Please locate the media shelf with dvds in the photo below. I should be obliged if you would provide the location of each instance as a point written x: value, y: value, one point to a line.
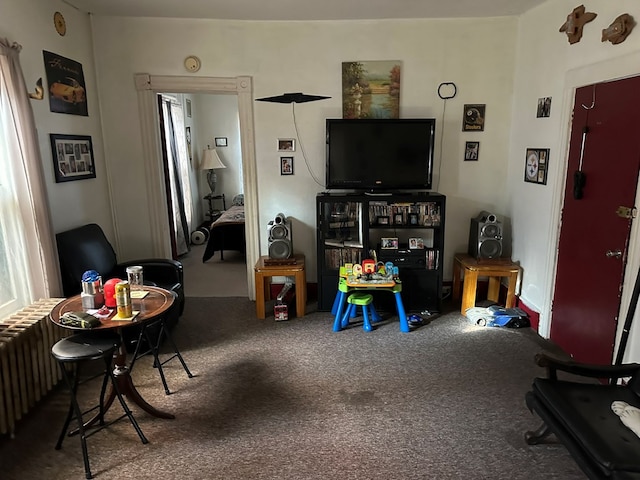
x: 355, y: 226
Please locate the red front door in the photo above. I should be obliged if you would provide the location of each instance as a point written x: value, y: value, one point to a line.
x: 593, y: 236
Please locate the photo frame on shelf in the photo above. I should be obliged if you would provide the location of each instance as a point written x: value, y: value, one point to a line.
x: 286, y: 165
x: 416, y: 243
x: 536, y: 165
x: 389, y: 243
x: 413, y: 219
x: 72, y: 157
x: 286, y: 145
x: 398, y: 219
x: 382, y: 220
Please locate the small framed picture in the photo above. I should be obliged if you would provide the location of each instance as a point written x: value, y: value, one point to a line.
x: 544, y: 107
x: 286, y: 165
x: 72, y: 157
x: 389, y: 243
x: 382, y: 220
x: 416, y: 243
x: 286, y: 145
x: 398, y: 219
x: 471, y: 150
x: 413, y: 219
x: 473, y: 117
x: 221, y: 141
x: 536, y: 165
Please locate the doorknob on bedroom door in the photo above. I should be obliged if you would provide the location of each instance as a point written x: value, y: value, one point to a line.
x: 614, y: 253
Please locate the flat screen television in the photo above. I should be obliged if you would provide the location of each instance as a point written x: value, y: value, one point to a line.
x: 380, y: 155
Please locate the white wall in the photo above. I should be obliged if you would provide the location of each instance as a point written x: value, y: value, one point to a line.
x: 547, y: 65
x: 30, y: 23
x: 477, y: 55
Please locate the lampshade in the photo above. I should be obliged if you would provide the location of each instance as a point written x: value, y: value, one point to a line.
x: 211, y: 160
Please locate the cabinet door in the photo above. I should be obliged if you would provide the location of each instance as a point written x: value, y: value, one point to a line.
x: 341, y: 233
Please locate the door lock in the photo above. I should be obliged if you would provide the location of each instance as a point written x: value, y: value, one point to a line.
x: 614, y: 254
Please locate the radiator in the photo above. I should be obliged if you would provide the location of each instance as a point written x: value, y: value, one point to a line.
x: 27, y: 369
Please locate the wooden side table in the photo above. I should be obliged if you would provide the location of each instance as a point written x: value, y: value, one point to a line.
x: 264, y: 272
x: 470, y: 268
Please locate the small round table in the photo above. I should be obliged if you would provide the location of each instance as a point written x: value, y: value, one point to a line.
x: 156, y: 303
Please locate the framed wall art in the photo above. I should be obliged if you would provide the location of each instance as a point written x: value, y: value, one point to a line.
x: 72, y: 157
x: 67, y: 89
x: 286, y: 145
x: 286, y: 165
x: 221, y: 141
x: 473, y: 117
x: 536, y: 165
x: 471, y: 151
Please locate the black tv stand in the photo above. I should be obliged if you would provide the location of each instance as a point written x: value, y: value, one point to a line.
x: 351, y: 227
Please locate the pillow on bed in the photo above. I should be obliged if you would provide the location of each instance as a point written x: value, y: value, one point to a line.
x: 238, y: 200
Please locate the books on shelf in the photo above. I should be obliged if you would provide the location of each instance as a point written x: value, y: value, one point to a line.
x: 420, y: 214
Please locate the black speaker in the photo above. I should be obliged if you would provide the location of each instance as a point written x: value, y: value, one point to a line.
x: 485, y: 236
x: 280, y: 238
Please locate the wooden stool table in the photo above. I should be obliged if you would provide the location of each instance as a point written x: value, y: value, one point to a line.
x: 471, y: 268
x: 264, y: 272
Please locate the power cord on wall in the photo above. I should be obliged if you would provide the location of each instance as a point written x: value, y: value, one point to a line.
x: 452, y: 91
x: 304, y: 153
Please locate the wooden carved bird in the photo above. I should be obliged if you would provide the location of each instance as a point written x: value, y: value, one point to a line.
x: 39, y: 93
x: 575, y: 21
x: 619, y: 30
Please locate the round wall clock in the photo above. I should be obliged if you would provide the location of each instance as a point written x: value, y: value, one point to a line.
x: 192, y: 63
x: 60, y: 24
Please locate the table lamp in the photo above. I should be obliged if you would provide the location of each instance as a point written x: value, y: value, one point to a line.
x: 211, y: 161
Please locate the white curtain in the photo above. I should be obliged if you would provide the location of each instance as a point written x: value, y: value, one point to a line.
x: 28, y: 256
x: 179, y: 168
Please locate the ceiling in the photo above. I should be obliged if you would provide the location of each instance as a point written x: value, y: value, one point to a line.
x: 289, y: 10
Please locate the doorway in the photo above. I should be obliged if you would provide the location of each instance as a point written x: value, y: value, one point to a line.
x: 148, y: 86
x: 601, y: 183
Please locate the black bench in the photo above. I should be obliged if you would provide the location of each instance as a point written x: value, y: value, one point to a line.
x: 578, y: 412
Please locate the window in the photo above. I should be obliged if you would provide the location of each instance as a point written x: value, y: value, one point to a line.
x: 14, y: 285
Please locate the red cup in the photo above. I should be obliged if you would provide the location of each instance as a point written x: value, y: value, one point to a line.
x: 109, y: 289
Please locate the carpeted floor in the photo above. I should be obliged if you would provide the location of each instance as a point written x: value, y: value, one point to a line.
x: 294, y: 400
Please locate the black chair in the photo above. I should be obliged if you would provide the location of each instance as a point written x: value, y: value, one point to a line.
x: 87, y: 248
x: 71, y: 353
x: 153, y: 341
x: 578, y: 412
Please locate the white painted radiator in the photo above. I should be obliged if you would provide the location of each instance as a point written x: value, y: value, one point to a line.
x: 27, y: 369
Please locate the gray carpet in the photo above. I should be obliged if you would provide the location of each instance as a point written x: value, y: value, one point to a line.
x: 294, y: 400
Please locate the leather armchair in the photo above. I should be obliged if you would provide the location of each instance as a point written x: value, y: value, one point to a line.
x: 87, y: 248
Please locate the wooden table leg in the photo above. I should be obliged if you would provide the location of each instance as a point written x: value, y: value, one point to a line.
x: 455, y: 291
x: 301, y: 293
x: 493, y: 293
x: 511, y: 291
x: 260, y: 300
x: 469, y: 290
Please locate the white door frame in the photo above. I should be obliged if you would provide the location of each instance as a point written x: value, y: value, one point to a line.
x: 148, y: 86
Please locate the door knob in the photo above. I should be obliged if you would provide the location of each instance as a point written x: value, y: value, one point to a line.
x: 614, y: 253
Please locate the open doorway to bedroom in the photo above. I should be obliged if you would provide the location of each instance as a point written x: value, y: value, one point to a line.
x: 240, y: 90
x: 215, y: 265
